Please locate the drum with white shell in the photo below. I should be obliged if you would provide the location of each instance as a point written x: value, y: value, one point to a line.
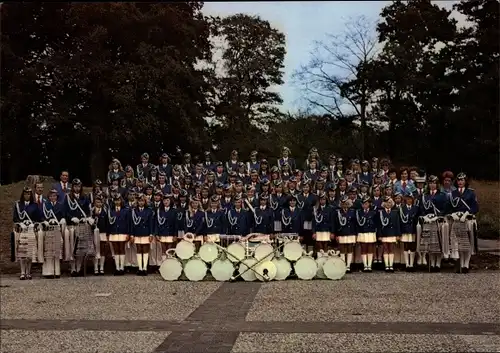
x: 222, y: 270
x: 292, y: 250
x: 306, y: 267
x: 209, y: 252
x: 171, y: 268
x: 334, y: 268
x: 264, y: 251
x: 265, y: 271
x: 185, y: 249
x: 283, y: 268
x: 236, y: 252
x: 247, y: 269
x: 195, y: 270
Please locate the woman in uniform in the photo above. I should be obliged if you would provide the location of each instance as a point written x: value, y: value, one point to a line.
x: 119, y: 229
x: 277, y: 201
x: 142, y: 233
x: 322, y: 224
x: 100, y: 215
x: 291, y: 216
x: 389, y: 230
x: 239, y: 221
x: 193, y: 222
x: 306, y: 201
x: 367, y: 229
x: 346, y: 230
x: 115, y: 168
x: 263, y: 217
x: 53, y: 213
x: 165, y: 225
x: 409, y: 217
x: 215, y: 220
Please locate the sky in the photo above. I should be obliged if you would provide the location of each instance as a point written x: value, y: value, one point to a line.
x: 303, y: 22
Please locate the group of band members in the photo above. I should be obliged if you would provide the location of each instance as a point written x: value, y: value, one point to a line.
x: 368, y: 206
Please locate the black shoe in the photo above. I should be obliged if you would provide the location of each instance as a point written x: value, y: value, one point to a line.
x: 116, y: 273
x: 437, y: 269
x: 74, y: 274
x: 22, y: 277
x: 96, y: 273
x: 432, y: 269
x: 387, y: 269
x: 48, y: 277
x: 465, y: 270
x: 101, y: 272
x: 391, y: 269
x: 138, y: 273
x: 57, y: 277
x: 28, y: 277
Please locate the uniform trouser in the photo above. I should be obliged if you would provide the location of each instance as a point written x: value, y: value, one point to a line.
x: 51, y: 267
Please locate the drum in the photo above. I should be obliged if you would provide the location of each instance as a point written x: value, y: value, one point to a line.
x: 264, y: 251
x: 222, y: 270
x: 208, y: 252
x: 185, y: 249
x: 195, y: 270
x: 334, y: 268
x: 320, y: 261
x: 265, y: 271
x: 283, y: 268
x: 236, y: 252
x: 171, y: 269
x: 306, y: 267
x: 292, y: 250
x: 247, y: 270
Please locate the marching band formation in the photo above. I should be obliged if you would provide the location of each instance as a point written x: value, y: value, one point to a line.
x: 368, y: 211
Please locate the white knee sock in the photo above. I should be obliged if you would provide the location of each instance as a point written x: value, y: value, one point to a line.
x: 391, y: 259
x: 122, y: 261
x: 365, y: 260
x: 145, y: 258
x: 96, y: 265
x: 411, y: 255
x: 102, y: 260
x: 117, y: 262
x: 407, y: 258
x: 438, y: 260
x: 73, y: 265
x: 79, y: 261
x: 369, y: 260
x: 467, y: 257
x: 23, y: 266
x: 343, y: 257
x: 57, y: 267
x: 349, y: 259
x: 139, y: 261
x: 28, y: 267
x: 386, y: 260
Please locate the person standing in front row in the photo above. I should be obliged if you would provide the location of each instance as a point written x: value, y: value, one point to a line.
x: 142, y: 233
x: 389, y: 230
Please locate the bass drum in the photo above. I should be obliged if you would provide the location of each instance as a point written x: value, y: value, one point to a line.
x: 222, y: 270
x: 264, y: 251
x: 292, y: 250
x: 283, y: 268
x: 320, y: 261
x: 334, y: 268
x: 247, y: 269
x: 235, y: 252
x: 306, y: 268
x: 266, y: 271
x: 171, y: 269
x: 195, y: 270
x: 185, y: 250
x: 208, y: 252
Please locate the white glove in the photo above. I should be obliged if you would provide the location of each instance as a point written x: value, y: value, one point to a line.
x: 90, y: 221
x: 23, y: 226
x: 455, y: 216
x: 45, y: 223
x: 75, y: 220
x: 464, y: 216
x: 62, y: 221
x: 53, y: 221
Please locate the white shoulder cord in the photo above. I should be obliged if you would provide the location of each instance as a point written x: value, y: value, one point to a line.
x: 136, y: 219
x: 383, y: 220
x: 362, y: 220
x: 342, y: 219
x: 286, y: 220
x: 318, y: 215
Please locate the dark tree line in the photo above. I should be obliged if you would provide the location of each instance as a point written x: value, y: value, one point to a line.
x: 82, y: 83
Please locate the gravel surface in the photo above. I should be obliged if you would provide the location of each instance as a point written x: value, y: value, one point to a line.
x: 382, y: 297
x: 15, y: 341
x: 298, y: 342
x: 131, y: 298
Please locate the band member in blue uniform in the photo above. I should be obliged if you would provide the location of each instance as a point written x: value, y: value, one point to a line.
x: 100, y: 215
x: 227, y: 199
x: 409, y: 218
x: 291, y: 216
x: 53, y: 216
x: 419, y: 190
x: 464, y: 200
x: 187, y: 166
x: 434, y: 203
x: 164, y: 166
x: 366, y: 219
x: 233, y: 162
x: 166, y: 225
x: 119, y: 230
x: 447, y: 183
x: 404, y: 184
x: 76, y: 210
x: 25, y: 214
x: 323, y: 223
x: 142, y: 233
x: 220, y: 174
x: 144, y: 168
x: 285, y: 158
x: 129, y: 181
x: 286, y: 173
x: 115, y: 168
x: 215, y: 220
x: 375, y: 165
x: 263, y: 217
x: 254, y: 163
x: 346, y: 230
x: 63, y: 186
x: 277, y: 200
x: 208, y: 164
x: 306, y: 201
x: 251, y: 197
x: 193, y: 222
x: 312, y: 173
x: 198, y: 175
x: 239, y: 221
x: 389, y: 230
x: 365, y: 174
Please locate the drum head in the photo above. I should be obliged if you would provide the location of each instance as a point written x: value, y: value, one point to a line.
x: 334, y: 268
x: 283, y: 268
x: 306, y: 268
x: 320, y: 261
x: 266, y: 271
x: 222, y: 270
x: 235, y: 252
x: 171, y: 269
x: 264, y: 251
x: 247, y: 269
x: 292, y: 251
x: 195, y: 270
x: 184, y: 250
x: 208, y: 252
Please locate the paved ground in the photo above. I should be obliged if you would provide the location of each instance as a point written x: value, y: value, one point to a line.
x: 376, y: 312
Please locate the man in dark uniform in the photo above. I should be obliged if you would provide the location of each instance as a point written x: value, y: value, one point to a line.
x: 165, y: 165
x: 198, y: 175
x: 232, y: 164
x: 208, y: 164
x: 285, y: 158
x: 253, y: 163
x: 144, y: 168
x: 220, y: 174
x: 187, y: 166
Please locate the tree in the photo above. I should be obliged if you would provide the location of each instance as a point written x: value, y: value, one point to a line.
x: 251, y: 67
x: 334, y: 80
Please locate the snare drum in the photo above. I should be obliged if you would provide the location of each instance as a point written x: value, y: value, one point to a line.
x: 264, y: 251
x: 185, y: 249
x: 306, y: 268
x: 334, y: 268
x: 208, y: 252
x: 235, y: 252
x: 247, y: 269
x: 195, y: 270
x: 222, y: 270
x: 292, y: 250
x: 283, y: 268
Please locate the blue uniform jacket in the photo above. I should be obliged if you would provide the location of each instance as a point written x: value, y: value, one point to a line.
x: 57, y: 209
x: 323, y: 219
x: 291, y: 220
x: 165, y: 222
x: 142, y: 222
x: 226, y: 204
x: 263, y: 221
x: 61, y: 193
x: 277, y: 203
x: 434, y: 204
x: 239, y: 223
x: 410, y: 187
x: 458, y: 201
x: 367, y: 221
x: 71, y: 210
x: 215, y: 222
x: 307, y: 204
x: 388, y: 223
x: 119, y: 222
x: 290, y: 161
x: 345, y: 222
x: 31, y: 209
x: 253, y: 166
x: 165, y: 168
x: 365, y: 176
x: 101, y: 219
x: 193, y: 223
x: 409, y: 219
